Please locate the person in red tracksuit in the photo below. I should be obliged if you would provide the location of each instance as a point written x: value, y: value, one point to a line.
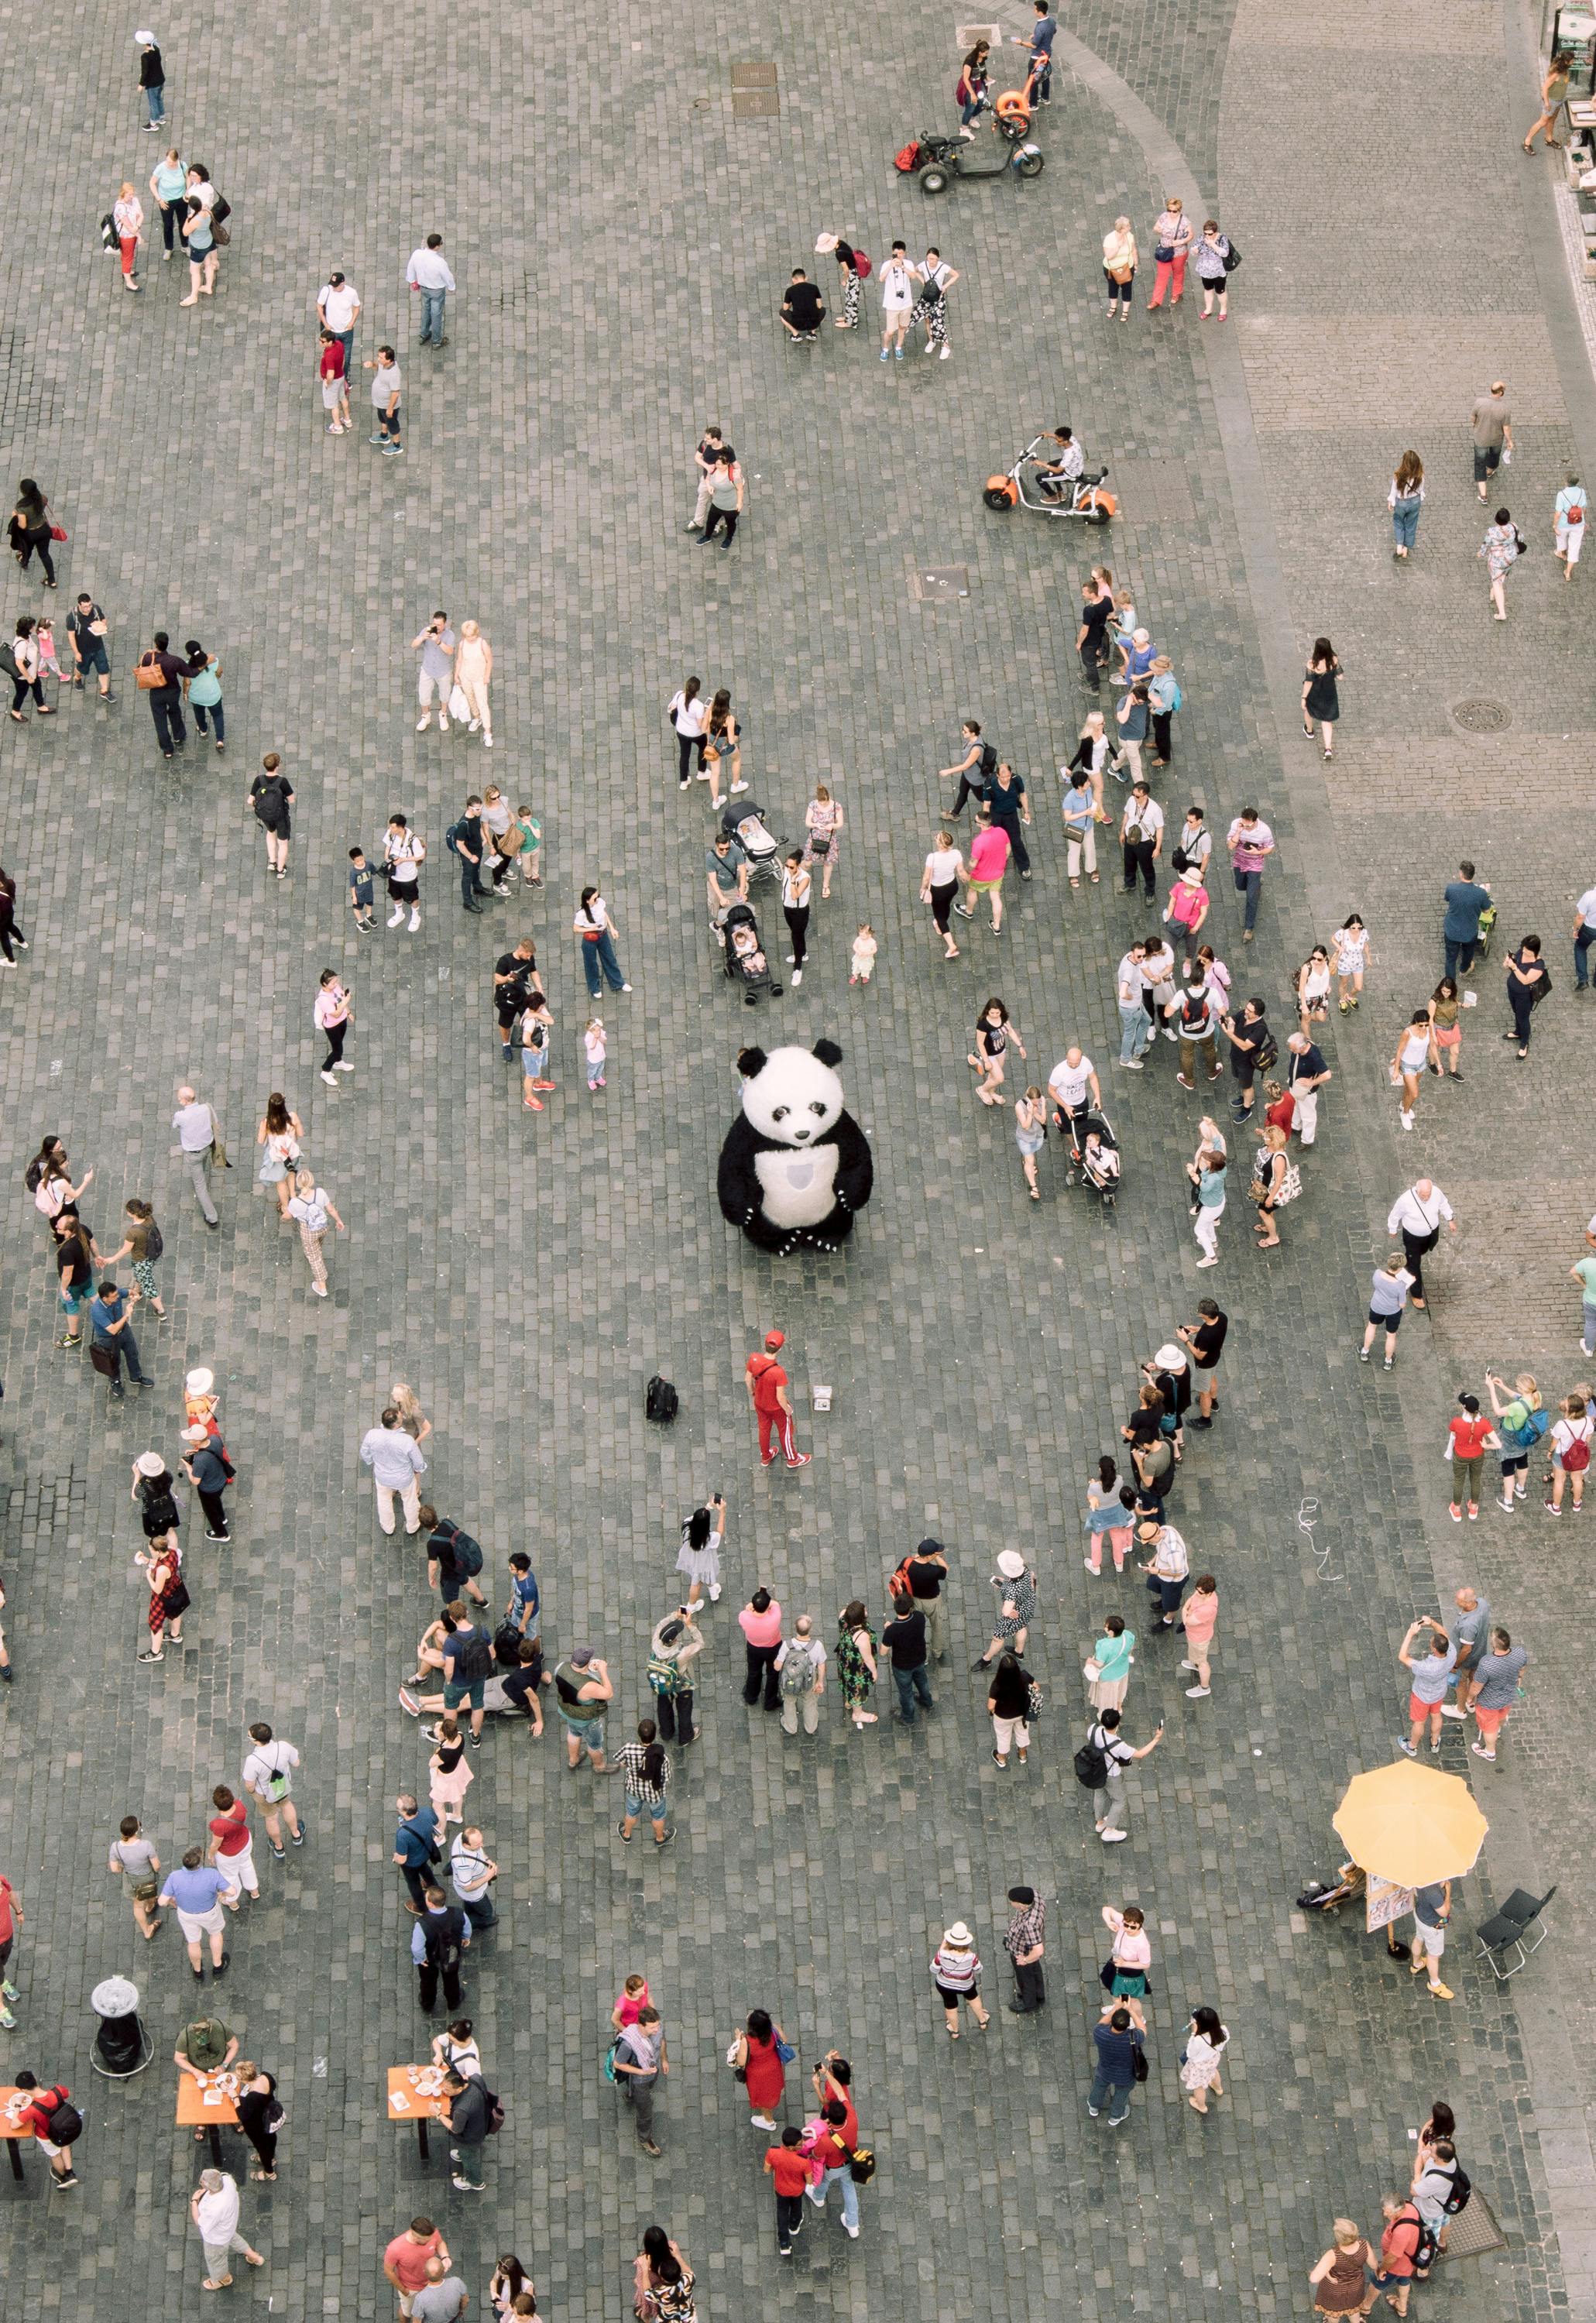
x: 767, y: 1392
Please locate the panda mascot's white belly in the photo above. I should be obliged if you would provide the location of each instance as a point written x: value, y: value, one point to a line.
x: 797, y: 1185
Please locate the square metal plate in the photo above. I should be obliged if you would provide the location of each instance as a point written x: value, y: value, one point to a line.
x: 759, y: 74
x: 940, y: 584
x: 754, y: 104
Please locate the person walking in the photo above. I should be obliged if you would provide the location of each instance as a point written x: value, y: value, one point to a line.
x: 1250, y: 843
x: 1444, y: 1011
x: 1529, y: 983
x: 278, y: 1131
x: 1415, y: 1050
x: 1418, y: 1216
x: 1570, y: 512
x: 428, y: 273
x: 1554, y: 97
x: 956, y: 1972
x: 1016, y: 1584
x: 856, y: 1670
x: 800, y: 1667
x: 1491, y: 430
x: 1502, y: 548
x: 30, y: 531
x: 1199, y: 1617
x: 641, y: 2058
x: 1321, y: 704
x: 768, y: 1393
x: 1117, y: 2044
x: 214, y: 2207
x: 645, y: 1768
x: 1107, y: 1754
x: 395, y: 1461
x: 472, y: 1874
x: 1031, y: 1129
x: 1119, y: 267
x: 823, y: 823
x: 202, y: 690
x: 231, y: 1849
x: 269, y: 1778
x: 135, y: 1860
x: 726, y: 490
x: 332, y: 1013
x: 1387, y: 1297
x: 1008, y: 1705
x: 161, y: 676
x: 939, y: 887
x: 473, y: 669
x: 1404, y: 500
x: 688, y: 712
x: 85, y: 634
x: 796, y: 884
x: 271, y: 795
x: 757, y: 2058
x: 788, y: 2169
x: 1010, y: 810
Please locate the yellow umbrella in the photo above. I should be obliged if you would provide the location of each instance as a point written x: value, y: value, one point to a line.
x: 1411, y: 1823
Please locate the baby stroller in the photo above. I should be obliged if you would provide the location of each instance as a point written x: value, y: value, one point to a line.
x: 1094, y: 1155
x: 747, y: 963
x: 748, y: 827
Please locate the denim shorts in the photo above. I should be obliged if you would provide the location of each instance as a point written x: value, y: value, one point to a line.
x: 636, y: 1808
x: 590, y: 1730
x: 456, y: 1690
x: 94, y: 657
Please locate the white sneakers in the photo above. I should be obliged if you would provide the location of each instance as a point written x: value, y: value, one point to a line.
x: 395, y: 917
x: 415, y: 922
x: 423, y: 723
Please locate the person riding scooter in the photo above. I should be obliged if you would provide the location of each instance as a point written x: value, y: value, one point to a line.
x: 1054, y: 481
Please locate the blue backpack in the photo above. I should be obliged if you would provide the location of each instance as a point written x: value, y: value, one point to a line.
x: 1526, y: 1437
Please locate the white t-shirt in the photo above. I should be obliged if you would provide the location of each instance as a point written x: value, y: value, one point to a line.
x: 1151, y: 817
x: 1573, y: 1431
x: 1068, y: 1083
x: 1199, y: 845
x: 1586, y: 907
x: 688, y: 716
x: 897, y: 286
x: 216, y: 2215
x: 943, y: 865
x: 593, y: 916
x: 269, y: 1758
x: 1158, y: 967
x: 338, y: 304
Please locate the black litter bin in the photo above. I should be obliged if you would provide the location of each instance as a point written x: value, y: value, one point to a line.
x: 121, y: 2046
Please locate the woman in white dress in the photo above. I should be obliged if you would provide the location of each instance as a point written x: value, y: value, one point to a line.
x: 699, y: 1556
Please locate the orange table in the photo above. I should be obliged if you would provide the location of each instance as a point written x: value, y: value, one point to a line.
x: 407, y: 2103
x: 14, y: 2132
x: 202, y: 2106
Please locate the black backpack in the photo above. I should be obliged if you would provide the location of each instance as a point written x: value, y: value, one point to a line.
x: 662, y: 1402
x: 1091, y: 1764
x: 1462, y: 2187
x: 1267, y: 1055
x: 154, y: 1246
x: 65, y: 2125
x: 472, y: 1658
x: 493, y: 2113
x: 507, y: 1645
x: 453, y: 835
x: 442, y: 1937
x: 988, y: 762
x: 32, y: 1174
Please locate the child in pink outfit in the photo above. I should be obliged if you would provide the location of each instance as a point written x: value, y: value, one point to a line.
x: 597, y: 1047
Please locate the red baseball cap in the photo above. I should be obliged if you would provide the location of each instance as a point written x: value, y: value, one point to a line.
x: 774, y: 1339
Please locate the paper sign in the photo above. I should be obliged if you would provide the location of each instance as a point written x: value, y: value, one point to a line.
x: 397, y: 2102
x: 1385, y: 1902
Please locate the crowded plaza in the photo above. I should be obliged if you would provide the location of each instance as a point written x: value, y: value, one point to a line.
x: 819, y: 1575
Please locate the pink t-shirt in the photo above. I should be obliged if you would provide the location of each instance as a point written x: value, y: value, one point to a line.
x: 1132, y: 1948
x: 989, y: 853
x: 762, y: 1629
x: 1199, y: 1613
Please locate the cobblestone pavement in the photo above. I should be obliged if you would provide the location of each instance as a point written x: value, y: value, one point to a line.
x: 616, y: 290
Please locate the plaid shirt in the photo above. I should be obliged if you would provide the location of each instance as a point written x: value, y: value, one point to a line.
x: 630, y: 1758
x: 1023, y: 1932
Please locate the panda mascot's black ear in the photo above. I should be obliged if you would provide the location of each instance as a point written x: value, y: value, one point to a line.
x: 827, y: 1052
x: 750, y: 1062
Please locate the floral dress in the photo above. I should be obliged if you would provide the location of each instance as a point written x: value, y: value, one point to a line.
x: 852, y: 1672
x: 1022, y: 1595
x: 821, y: 820
x: 1500, y: 548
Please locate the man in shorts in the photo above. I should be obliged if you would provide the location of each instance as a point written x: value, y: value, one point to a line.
x: 268, y: 1778
x: 582, y: 1689
x: 1429, y: 1666
x: 85, y: 634
x: 1491, y: 428
x: 1205, y: 1339
x: 989, y: 859
x: 1431, y: 1906
x: 194, y: 1889
x: 897, y: 301
x: 468, y: 1664
x: 404, y: 2262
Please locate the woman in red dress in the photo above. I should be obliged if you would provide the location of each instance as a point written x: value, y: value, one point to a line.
x: 757, y: 2059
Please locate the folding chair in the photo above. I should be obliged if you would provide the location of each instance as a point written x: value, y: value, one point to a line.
x: 1505, y: 1931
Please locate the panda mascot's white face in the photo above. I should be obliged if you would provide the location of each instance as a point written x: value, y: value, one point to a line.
x: 795, y: 1101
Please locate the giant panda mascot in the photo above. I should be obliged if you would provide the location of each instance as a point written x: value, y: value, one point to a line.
x: 795, y: 1167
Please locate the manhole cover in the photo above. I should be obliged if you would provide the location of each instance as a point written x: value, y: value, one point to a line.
x: 1481, y: 716
x: 940, y: 583
x: 755, y: 104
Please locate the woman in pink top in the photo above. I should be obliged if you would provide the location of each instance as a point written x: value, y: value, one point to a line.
x: 632, y: 1998
x: 1198, y: 1615
x: 1132, y: 1957
x: 760, y: 1621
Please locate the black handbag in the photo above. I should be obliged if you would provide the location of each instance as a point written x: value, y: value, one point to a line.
x: 1139, y: 2065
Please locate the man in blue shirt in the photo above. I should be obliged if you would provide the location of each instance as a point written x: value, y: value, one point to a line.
x: 1465, y: 899
x: 523, y: 1607
x: 415, y: 1844
x: 110, y: 1316
x: 1116, y: 2042
x: 437, y: 1945
x: 194, y: 1889
x: 1038, y: 84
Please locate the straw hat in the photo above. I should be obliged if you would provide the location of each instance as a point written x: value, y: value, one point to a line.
x: 959, y: 1936
x: 150, y: 1463
x: 1011, y: 1564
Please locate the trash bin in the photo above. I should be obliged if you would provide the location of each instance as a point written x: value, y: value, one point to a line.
x: 121, y: 2046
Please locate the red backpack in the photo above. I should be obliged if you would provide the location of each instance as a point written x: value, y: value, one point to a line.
x: 861, y: 265
x: 909, y: 159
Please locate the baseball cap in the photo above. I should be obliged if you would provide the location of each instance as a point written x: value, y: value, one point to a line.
x: 774, y: 1339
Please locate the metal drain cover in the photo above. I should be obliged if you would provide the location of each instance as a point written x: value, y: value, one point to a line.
x: 1481, y: 716
x: 939, y: 584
